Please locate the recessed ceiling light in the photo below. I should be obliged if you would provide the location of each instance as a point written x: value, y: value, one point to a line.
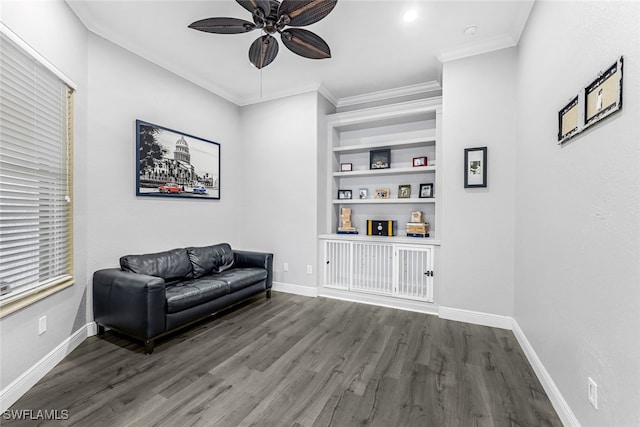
x: 410, y: 15
x: 471, y: 30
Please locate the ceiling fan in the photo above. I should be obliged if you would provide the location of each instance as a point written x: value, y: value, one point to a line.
x: 272, y: 16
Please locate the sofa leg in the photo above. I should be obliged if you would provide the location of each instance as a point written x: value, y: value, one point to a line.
x: 268, y: 293
x: 101, y: 329
x: 148, y: 346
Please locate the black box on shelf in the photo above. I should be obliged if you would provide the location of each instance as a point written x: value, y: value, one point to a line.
x: 381, y: 228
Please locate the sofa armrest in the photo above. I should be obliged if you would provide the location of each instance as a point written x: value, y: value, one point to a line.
x: 130, y: 302
x: 255, y: 259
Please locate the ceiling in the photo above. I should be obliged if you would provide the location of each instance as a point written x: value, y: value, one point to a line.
x: 373, y: 49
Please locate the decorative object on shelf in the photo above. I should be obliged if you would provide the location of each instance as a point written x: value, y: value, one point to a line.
x: 380, y: 159
x: 271, y: 16
x: 382, y: 193
x: 603, y: 96
x: 381, y: 228
x: 346, y: 167
x: 346, y: 227
x: 344, y: 194
x: 417, y: 227
x: 417, y: 216
x: 426, y: 191
x: 420, y: 161
x: 599, y: 99
x: 174, y: 164
x: 475, y: 167
x: 568, y: 120
x: 363, y: 193
x: 404, y: 191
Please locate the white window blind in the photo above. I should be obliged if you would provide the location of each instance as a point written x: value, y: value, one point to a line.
x: 35, y: 177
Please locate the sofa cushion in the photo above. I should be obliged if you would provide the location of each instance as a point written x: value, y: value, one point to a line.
x: 171, y: 265
x: 210, y: 259
x: 239, y: 278
x: 191, y: 293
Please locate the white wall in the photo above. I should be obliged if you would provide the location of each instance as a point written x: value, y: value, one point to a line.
x: 54, y: 32
x: 124, y: 87
x: 478, y: 224
x: 577, y: 291
x: 279, y: 210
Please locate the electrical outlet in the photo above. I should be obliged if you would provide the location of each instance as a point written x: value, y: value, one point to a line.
x: 309, y: 269
x: 42, y: 325
x: 285, y: 267
x: 592, y: 393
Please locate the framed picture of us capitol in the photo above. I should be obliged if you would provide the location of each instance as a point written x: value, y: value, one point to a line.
x: 174, y: 164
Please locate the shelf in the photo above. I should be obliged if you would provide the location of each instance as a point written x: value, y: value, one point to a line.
x: 381, y: 239
x: 389, y: 171
x: 406, y: 143
x: 383, y: 201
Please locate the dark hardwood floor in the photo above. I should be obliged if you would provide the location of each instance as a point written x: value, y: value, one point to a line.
x: 297, y: 361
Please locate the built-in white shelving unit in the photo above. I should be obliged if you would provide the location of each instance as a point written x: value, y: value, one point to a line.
x: 382, y: 266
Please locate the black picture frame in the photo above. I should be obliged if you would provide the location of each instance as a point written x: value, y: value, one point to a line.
x: 346, y: 167
x: 380, y: 159
x: 345, y: 194
x: 603, y: 96
x: 174, y: 164
x: 475, y: 167
x: 426, y: 191
x: 568, y: 120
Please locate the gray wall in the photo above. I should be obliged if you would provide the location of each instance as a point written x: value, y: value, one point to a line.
x: 122, y: 88
x: 577, y: 289
x: 279, y: 209
x: 478, y: 109
x: 54, y: 31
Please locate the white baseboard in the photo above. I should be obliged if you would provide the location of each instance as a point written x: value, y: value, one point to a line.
x: 14, y: 391
x: 363, y: 298
x: 295, y: 289
x: 476, y: 317
x: 557, y: 400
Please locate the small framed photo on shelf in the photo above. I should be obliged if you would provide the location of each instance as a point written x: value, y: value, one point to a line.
x: 419, y: 161
x: 344, y: 194
x: 380, y: 159
x: 346, y: 167
x: 417, y: 216
x: 404, y: 191
x: 426, y: 191
x: 382, y: 193
x: 363, y: 193
x: 475, y: 167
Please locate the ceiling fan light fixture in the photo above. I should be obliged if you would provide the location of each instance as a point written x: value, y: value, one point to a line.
x: 271, y: 16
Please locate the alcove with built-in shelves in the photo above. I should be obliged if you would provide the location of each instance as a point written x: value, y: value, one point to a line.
x: 385, y: 266
x: 408, y: 130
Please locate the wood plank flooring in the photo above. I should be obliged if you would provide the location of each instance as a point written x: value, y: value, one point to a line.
x: 297, y: 361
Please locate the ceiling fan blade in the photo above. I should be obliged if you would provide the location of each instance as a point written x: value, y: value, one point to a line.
x: 223, y: 25
x: 263, y: 51
x: 305, y: 43
x: 252, y: 5
x: 305, y: 12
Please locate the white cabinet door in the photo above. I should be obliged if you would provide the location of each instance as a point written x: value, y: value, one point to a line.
x: 337, y: 269
x: 373, y: 268
x: 414, y: 272
x: 404, y: 271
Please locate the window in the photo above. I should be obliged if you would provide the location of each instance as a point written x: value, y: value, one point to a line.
x: 35, y: 176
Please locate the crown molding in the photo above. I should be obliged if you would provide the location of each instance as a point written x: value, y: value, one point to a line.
x: 383, y: 95
x: 501, y: 41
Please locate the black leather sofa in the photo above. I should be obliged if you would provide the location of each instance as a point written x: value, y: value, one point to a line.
x: 153, y: 294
